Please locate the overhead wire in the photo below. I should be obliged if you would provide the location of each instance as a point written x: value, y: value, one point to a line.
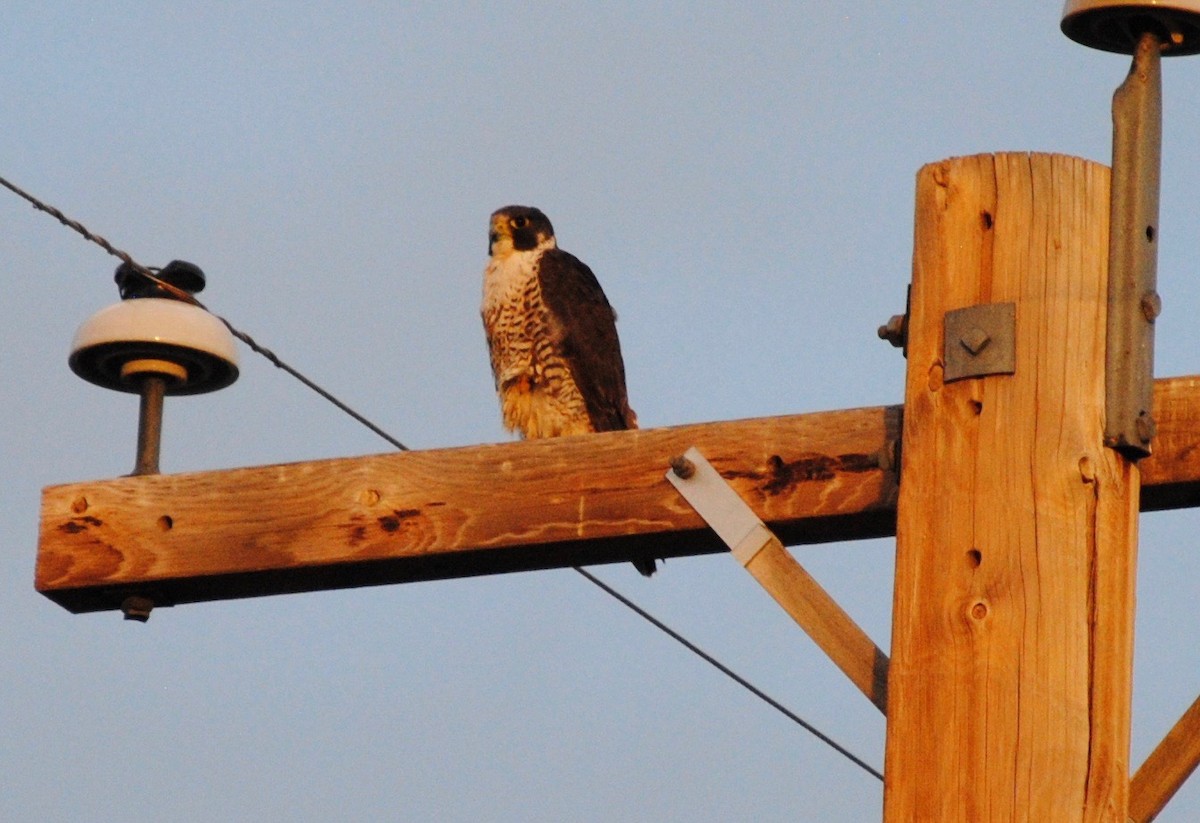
x: 274, y: 359
x: 731, y: 674
x: 188, y: 297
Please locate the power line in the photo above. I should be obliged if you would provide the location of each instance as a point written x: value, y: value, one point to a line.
x: 187, y: 297
x: 731, y: 674
x: 254, y: 346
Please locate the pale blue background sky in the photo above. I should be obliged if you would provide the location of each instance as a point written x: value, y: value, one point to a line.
x: 741, y: 182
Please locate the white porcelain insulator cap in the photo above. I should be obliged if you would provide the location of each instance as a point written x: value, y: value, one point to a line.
x: 152, y: 328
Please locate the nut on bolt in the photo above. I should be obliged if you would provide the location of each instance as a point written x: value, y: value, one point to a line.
x: 137, y: 608
x: 682, y: 467
x: 895, y: 331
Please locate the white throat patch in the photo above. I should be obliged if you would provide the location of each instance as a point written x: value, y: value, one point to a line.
x: 506, y: 277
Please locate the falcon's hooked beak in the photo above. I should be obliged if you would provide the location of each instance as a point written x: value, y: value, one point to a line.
x: 500, y: 237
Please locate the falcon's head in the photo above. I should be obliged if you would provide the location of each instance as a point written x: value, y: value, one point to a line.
x: 519, y: 228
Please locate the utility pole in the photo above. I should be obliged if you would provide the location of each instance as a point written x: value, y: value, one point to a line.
x: 1031, y: 436
x: 1017, y: 527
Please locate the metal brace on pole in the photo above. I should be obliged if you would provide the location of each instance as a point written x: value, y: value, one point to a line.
x: 1133, y: 301
x: 760, y: 553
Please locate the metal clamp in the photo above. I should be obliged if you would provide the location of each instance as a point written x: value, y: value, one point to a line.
x: 1133, y: 302
x: 764, y: 557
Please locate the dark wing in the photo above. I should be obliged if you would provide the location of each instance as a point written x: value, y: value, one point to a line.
x: 585, y: 326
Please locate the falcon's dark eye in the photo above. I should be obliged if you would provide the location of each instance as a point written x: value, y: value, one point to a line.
x: 520, y: 222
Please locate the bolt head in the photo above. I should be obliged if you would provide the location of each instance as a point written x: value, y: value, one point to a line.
x: 683, y: 468
x: 1151, y: 306
x: 975, y: 341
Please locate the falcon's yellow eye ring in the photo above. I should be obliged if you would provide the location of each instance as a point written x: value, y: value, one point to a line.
x: 520, y: 222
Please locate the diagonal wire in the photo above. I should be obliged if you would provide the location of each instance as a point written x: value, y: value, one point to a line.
x: 731, y: 674
x: 187, y: 297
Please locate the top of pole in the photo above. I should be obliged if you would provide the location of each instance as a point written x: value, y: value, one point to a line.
x: 1117, y: 25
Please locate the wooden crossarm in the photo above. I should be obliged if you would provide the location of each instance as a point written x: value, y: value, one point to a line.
x: 460, y: 512
x: 455, y: 512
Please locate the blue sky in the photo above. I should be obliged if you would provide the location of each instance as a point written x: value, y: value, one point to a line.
x: 741, y: 183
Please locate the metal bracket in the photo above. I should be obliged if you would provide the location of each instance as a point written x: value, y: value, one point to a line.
x: 715, y: 500
x: 980, y: 340
x: 1133, y: 302
x: 764, y: 557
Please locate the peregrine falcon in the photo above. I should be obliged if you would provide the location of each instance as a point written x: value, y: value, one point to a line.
x: 552, y: 336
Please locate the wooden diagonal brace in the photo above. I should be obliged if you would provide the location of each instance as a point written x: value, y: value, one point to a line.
x: 1167, y: 768
x: 762, y: 554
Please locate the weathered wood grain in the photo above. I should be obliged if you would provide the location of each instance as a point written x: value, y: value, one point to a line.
x: 1171, y: 475
x: 455, y: 512
x: 829, y: 626
x: 1009, y: 683
x: 484, y: 509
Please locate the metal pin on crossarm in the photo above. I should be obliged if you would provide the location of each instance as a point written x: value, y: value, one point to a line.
x: 153, y: 343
